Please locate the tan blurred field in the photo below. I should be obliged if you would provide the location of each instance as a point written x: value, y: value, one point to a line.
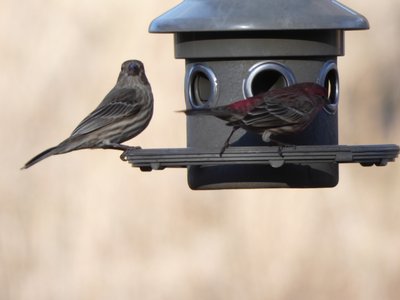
x: 87, y: 226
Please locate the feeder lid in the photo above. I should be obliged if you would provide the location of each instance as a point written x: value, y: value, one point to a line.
x: 251, y: 15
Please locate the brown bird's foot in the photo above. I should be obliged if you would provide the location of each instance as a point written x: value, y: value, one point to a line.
x: 280, y: 148
x: 226, y: 144
x: 124, y: 148
x: 123, y: 155
x: 280, y: 145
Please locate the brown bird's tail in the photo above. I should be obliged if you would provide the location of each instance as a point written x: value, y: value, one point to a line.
x: 220, y: 112
x: 197, y: 111
x: 41, y: 156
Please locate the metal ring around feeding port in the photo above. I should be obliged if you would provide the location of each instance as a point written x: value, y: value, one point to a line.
x: 201, y: 86
x: 264, y: 75
x: 329, y: 78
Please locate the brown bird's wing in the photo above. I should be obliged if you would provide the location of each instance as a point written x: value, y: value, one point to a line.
x: 279, y: 111
x: 123, y: 104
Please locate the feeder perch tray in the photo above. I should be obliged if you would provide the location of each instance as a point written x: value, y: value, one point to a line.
x: 159, y: 159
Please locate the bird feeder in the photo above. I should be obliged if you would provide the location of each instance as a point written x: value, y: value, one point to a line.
x: 234, y: 49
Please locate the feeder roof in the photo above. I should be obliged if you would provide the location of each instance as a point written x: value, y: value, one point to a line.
x: 252, y: 15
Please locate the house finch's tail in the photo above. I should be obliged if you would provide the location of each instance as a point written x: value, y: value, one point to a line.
x: 197, y: 111
x: 222, y: 112
x: 41, y: 156
x: 124, y: 113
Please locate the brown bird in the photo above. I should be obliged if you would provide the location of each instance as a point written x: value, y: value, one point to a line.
x: 124, y: 113
x: 279, y: 111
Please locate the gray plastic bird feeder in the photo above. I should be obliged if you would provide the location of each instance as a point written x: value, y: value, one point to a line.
x: 235, y: 49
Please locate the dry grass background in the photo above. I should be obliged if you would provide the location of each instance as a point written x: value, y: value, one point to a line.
x: 88, y: 226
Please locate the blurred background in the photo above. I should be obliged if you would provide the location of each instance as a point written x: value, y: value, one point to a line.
x: 86, y: 225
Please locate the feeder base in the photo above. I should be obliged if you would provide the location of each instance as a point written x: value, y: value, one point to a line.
x: 262, y: 167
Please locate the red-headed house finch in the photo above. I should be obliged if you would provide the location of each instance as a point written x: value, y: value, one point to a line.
x: 279, y: 111
x: 124, y: 113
